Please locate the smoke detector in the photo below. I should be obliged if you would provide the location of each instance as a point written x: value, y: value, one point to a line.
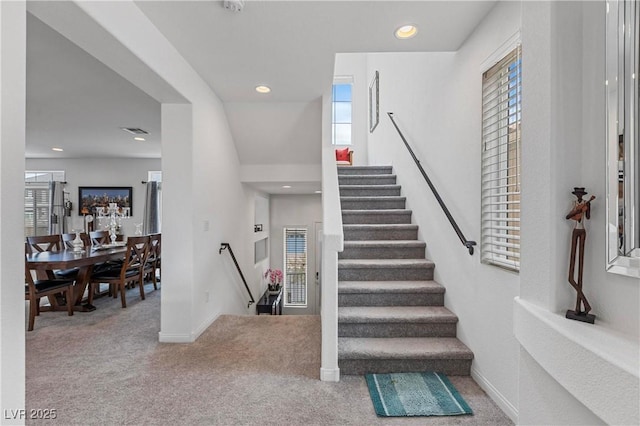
x: 233, y: 5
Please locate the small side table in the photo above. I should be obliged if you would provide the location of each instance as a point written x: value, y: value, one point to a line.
x: 270, y: 303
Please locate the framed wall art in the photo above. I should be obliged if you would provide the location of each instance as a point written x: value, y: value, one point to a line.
x: 374, y: 102
x: 90, y: 198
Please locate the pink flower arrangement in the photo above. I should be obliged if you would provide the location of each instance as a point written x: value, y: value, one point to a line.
x: 274, y: 276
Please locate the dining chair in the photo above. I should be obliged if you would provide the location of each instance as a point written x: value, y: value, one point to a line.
x: 67, y: 239
x: 44, y: 243
x: 34, y: 290
x: 99, y: 237
x: 131, y: 270
x: 154, y: 258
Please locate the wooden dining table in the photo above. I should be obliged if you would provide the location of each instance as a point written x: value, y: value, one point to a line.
x: 48, y: 261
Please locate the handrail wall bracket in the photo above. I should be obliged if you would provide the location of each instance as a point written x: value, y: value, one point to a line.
x: 224, y: 246
x: 468, y: 244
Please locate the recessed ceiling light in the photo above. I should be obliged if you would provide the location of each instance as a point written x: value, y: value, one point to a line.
x: 57, y: 149
x: 263, y: 89
x: 318, y: 192
x: 286, y: 186
x: 406, y: 31
x: 138, y: 138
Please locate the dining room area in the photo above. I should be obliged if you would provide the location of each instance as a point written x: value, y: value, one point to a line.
x: 65, y: 272
x: 93, y: 182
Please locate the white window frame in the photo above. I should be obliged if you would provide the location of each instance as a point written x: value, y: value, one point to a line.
x: 501, y: 157
x: 347, y: 79
x: 287, y: 296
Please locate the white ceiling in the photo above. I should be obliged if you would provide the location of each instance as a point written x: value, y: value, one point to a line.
x: 76, y: 102
x: 290, y: 45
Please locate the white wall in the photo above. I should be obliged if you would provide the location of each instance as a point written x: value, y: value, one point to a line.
x: 101, y: 172
x: 355, y: 65
x: 436, y: 100
x: 259, y: 212
x: 564, y: 144
x: 12, y: 141
x: 295, y: 211
x: 276, y: 132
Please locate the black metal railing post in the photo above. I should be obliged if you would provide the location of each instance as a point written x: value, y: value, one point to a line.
x: 224, y: 246
x: 468, y: 244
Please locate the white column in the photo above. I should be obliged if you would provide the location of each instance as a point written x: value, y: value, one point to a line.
x: 177, y: 217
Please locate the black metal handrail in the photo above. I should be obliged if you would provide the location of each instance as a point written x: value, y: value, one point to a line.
x: 224, y: 246
x: 468, y: 244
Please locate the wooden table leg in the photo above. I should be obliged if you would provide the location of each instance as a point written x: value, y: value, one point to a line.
x: 82, y: 282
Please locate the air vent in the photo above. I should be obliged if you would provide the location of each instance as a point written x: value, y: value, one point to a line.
x: 135, y: 130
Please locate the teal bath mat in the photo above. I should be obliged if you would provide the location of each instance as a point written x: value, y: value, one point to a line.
x: 415, y: 394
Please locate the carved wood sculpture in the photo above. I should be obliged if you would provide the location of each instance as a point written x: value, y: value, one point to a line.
x: 581, y: 211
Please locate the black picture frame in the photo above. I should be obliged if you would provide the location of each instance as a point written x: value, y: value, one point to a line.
x: 90, y: 197
x: 374, y: 102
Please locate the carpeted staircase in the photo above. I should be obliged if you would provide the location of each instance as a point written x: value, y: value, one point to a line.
x: 391, y: 314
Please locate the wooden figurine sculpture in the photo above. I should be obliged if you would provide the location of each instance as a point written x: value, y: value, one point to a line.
x: 581, y: 211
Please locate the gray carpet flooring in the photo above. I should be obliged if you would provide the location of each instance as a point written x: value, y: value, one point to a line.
x: 108, y: 368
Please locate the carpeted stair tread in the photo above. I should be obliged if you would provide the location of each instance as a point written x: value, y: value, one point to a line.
x: 355, y: 170
x: 374, y: 198
x: 374, y: 212
x: 386, y: 179
x: 361, y: 186
x: 380, y: 226
x: 376, y: 216
x: 356, y: 287
x: 403, y: 348
x: 379, y: 202
x: 383, y: 249
x: 396, y: 314
x: 369, y: 190
x: 384, y: 243
x: 385, y: 263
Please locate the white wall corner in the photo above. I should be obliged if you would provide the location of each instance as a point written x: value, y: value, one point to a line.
x: 205, y: 324
x: 497, y: 397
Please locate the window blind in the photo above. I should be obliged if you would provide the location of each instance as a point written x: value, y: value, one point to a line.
x: 295, y: 274
x: 36, y: 210
x: 501, y: 142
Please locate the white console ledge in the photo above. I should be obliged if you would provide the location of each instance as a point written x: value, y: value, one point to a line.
x: 600, y: 368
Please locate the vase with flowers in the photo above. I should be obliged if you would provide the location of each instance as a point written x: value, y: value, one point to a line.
x: 274, y: 280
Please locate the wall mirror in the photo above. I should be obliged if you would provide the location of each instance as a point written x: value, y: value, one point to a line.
x: 623, y: 149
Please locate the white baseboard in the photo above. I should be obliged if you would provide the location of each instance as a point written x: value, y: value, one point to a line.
x: 187, y: 338
x: 495, y: 395
x: 174, y: 338
x: 330, y: 374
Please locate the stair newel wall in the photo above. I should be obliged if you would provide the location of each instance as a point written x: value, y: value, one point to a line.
x: 332, y: 244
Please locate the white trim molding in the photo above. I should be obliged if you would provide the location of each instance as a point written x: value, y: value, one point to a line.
x: 187, y: 338
x: 330, y: 374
